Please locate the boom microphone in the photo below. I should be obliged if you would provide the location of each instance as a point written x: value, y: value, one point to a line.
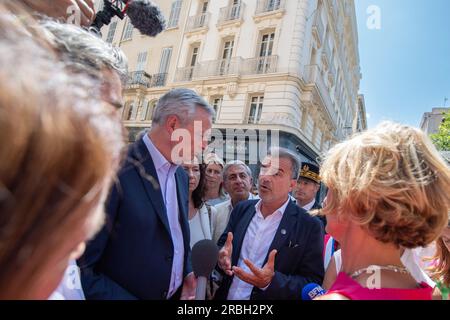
x: 144, y: 15
x: 204, y: 258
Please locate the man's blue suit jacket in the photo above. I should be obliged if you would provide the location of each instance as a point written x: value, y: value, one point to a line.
x: 131, y: 257
x: 299, y: 244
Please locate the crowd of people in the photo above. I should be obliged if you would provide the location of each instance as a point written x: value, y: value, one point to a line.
x: 73, y: 196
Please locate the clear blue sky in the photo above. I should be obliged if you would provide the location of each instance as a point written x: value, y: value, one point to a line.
x: 406, y: 63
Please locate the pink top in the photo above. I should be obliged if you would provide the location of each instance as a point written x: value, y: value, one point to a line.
x: 352, y: 290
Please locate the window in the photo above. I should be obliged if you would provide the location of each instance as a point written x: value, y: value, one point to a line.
x: 204, y: 7
x: 318, y: 138
x: 235, y: 9
x: 165, y: 60
x: 149, y: 109
x: 131, y: 111
x: 226, y: 57
x: 128, y: 33
x: 111, y: 32
x: 266, y: 45
x: 256, y: 109
x: 160, y: 79
x: 194, y: 56
x: 217, y: 103
x: 265, y: 51
x: 175, y: 14
x: 309, y: 128
x: 142, y: 60
x: 273, y: 5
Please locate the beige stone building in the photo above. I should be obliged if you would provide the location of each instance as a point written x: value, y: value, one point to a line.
x: 431, y: 121
x: 287, y: 65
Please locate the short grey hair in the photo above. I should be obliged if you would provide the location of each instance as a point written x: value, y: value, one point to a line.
x: 287, y: 154
x: 182, y: 103
x: 235, y: 163
x: 84, y: 51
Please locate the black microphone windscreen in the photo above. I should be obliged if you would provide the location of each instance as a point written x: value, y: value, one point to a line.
x: 204, y: 257
x: 146, y: 17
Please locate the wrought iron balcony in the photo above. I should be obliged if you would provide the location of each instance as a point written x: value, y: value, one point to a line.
x: 142, y: 78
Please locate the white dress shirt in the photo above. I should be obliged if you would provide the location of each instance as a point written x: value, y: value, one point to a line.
x: 166, y: 177
x: 309, y: 206
x: 255, y: 247
x: 70, y: 286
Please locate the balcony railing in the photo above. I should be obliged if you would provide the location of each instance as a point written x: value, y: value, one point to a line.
x: 327, y: 51
x: 314, y: 76
x: 185, y: 74
x: 266, y: 64
x: 228, y: 67
x: 142, y: 78
x: 264, y: 6
x: 219, y: 67
x: 158, y: 80
x: 231, y: 13
x: 139, y: 78
x: 198, y: 21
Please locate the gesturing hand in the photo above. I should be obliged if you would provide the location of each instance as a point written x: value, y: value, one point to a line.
x: 259, y: 278
x: 225, y: 255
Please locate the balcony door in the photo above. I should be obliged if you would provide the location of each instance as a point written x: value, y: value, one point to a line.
x: 163, y: 67
x: 265, y: 52
x: 235, y: 9
x: 204, y: 10
x: 255, y: 109
x: 227, y: 53
x: 273, y: 5
x: 193, y: 62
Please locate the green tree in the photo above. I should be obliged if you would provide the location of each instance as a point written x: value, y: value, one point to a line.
x: 442, y: 139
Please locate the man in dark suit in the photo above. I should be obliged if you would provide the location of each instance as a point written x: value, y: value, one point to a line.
x: 308, y: 184
x: 143, y: 252
x: 271, y: 247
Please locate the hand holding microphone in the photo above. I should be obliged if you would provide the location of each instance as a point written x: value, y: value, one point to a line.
x: 225, y: 255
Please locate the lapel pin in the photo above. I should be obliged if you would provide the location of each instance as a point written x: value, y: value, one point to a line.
x: 283, y: 231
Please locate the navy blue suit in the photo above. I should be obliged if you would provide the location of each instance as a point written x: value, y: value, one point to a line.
x: 131, y: 258
x: 299, y: 259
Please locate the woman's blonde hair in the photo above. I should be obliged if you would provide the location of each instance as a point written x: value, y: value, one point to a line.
x: 392, y: 181
x: 60, y: 148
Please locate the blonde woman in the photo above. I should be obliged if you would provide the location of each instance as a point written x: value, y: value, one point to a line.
x: 214, y: 192
x: 388, y: 190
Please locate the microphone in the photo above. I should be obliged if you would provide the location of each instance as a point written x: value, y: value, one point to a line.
x: 311, y: 291
x: 144, y: 15
x: 204, y: 258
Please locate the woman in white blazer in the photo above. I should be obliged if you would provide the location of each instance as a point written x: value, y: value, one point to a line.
x: 199, y: 213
